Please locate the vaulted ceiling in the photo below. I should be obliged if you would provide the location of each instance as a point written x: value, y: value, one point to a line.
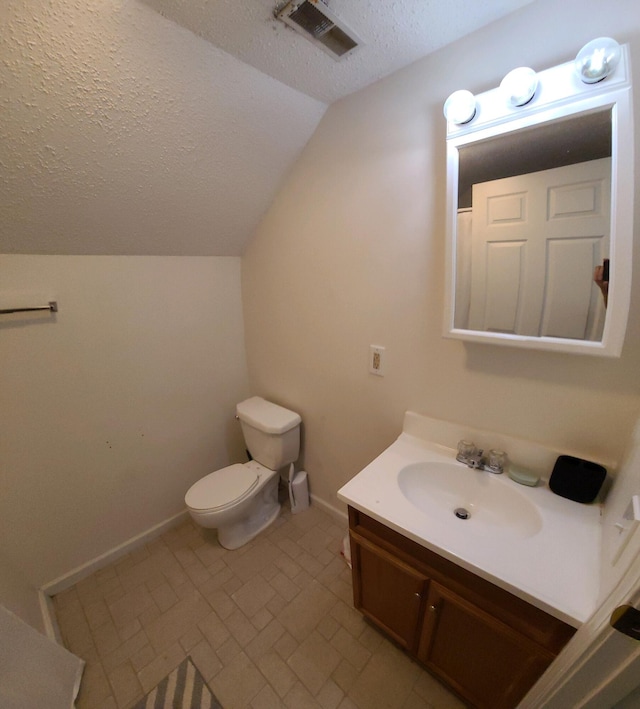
x: 167, y: 126
x: 394, y: 34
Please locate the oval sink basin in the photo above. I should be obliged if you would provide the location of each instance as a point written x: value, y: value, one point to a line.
x: 447, y: 490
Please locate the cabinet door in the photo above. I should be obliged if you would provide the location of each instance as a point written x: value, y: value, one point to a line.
x: 483, y: 659
x: 388, y: 591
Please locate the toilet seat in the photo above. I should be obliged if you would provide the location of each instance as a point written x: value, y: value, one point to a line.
x: 222, y: 488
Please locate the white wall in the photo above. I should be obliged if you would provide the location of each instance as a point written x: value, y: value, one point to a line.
x: 621, y: 538
x: 19, y: 596
x: 351, y: 253
x: 115, y: 406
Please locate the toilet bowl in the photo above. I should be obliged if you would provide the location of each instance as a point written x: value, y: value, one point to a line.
x: 241, y: 500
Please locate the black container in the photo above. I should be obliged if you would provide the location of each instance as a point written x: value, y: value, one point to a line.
x: 577, y: 479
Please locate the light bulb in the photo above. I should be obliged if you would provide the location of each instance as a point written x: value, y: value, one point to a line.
x: 519, y: 85
x: 597, y: 59
x: 460, y: 107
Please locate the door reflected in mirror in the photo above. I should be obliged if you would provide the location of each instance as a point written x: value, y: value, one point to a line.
x: 533, y: 223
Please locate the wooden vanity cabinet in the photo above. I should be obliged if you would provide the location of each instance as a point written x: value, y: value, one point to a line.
x: 390, y: 593
x: 488, y: 645
x: 481, y: 658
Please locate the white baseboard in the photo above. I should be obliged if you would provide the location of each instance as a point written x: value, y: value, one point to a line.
x: 49, y: 619
x: 80, y: 572
x: 340, y: 516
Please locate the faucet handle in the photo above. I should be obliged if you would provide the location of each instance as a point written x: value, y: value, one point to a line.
x: 497, y: 461
x: 466, y: 450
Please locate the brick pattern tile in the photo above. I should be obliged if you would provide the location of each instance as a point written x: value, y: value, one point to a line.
x: 270, y: 625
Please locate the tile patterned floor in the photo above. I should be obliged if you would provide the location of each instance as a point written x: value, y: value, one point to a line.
x: 269, y: 625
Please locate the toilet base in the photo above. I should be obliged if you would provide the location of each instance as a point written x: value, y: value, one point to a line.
x: 236, y: 535
x: 241, y: 521
x: 265, y: 509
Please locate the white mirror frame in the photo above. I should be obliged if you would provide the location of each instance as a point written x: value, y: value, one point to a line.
x: 560, y: 94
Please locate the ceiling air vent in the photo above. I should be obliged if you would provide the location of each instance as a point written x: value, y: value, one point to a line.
x: 314, y: 20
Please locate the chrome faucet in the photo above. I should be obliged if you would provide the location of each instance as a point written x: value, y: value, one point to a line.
x: 476, y: 461
x: 473, y: 457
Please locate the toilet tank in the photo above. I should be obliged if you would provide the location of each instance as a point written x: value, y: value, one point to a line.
x: 271, y: 432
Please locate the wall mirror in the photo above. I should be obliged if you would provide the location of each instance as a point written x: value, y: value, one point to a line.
x: 538, y: 196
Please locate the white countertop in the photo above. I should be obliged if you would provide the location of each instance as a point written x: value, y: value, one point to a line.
x: 555, y: 569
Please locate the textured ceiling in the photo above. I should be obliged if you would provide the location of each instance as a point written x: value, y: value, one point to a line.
x: 124, y: 132
x: 394, y: 35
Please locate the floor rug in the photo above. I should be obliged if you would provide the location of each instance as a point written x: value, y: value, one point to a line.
x: 184, y: 688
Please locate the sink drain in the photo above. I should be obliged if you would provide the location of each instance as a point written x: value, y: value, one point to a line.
x: 461, y: 513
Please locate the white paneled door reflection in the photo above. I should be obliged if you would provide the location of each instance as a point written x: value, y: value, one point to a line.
x: 535, y: 241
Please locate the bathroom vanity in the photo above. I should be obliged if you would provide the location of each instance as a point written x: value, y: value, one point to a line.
x: 484, y: 603
x: 485, y: 643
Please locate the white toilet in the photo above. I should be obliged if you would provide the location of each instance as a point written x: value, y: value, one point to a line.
x: 242, y: 499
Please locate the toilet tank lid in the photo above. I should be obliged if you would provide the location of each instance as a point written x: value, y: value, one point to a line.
x: 267, y: 417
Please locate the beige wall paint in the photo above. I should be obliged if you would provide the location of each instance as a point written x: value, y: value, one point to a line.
x: 113, y: 408
x: 19, y: 596
x: 620, y: 546
x: 351, y: 253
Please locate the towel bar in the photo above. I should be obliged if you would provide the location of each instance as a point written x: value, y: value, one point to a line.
x: 52, y: 307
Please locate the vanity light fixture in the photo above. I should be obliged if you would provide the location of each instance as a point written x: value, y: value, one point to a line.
x: 597, y: 59
x: 460, y: 107
x: 520, y: 85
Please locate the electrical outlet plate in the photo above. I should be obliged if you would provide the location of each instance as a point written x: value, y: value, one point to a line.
x: 376, y: 360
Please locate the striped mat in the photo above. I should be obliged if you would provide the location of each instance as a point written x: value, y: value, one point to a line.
x: 184, y: 688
